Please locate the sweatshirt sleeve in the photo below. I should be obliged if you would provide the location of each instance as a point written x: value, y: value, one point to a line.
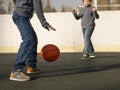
x: 96, y: 15
x: 39, y: 11
x: 79, y: 15
x: 76, y: 16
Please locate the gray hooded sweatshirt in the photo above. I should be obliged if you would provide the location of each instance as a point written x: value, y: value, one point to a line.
x: 28, y: 7
x: 87, y: 16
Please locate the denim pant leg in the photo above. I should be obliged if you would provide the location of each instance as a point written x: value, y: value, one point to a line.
x: 28, y: 48
x: 88, y: 46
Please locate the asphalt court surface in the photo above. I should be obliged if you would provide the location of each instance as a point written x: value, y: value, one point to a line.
x: 69, y: 72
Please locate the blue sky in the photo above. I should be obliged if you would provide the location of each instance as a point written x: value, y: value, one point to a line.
x: 59, y: 3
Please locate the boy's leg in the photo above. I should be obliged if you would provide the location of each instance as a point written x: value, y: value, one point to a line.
x: 32, y: 54
x: 88, y: 47
x: 91, y: 48
x: 84, y: 31
x: 85, y: 54
x: 28, y: 48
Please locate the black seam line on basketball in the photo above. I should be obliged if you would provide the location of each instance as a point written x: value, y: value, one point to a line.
x: 48, y: 51
x: 52, y: 56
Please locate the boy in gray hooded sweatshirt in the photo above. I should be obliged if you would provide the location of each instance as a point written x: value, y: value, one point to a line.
x: 23, y: 12
x: 87, y: 15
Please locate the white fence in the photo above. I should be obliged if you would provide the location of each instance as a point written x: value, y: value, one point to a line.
x: 68, y: 36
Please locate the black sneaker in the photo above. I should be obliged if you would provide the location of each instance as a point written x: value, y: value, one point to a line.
x: 85, y: 57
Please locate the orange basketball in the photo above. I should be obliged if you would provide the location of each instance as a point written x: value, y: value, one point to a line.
x: 50, y: 53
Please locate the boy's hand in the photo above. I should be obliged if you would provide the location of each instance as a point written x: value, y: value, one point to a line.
x: 94, y: 9
x: 51, y: 29
x: 74, y: 11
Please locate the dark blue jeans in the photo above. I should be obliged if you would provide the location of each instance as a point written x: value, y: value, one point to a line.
x: 28, y: 49
x: 88, y: 46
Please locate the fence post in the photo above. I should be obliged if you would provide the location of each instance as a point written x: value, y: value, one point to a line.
x: 95, y: 3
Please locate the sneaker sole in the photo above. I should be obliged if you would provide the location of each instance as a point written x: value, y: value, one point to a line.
x: 92, y: 57
x: 30, y: 72
x: 38, y: 71
x: 19, y: 79
x: 33, y: 72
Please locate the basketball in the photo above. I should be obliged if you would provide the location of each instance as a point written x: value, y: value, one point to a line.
x: 50, y: 53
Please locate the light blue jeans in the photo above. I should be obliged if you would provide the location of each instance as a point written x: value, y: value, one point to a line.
x: 28, y: 49
x: 88, y: 46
